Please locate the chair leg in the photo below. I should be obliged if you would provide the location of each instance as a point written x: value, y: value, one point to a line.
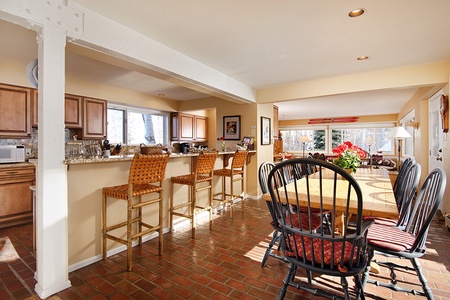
x: 161, y: 238
x: 242, y: 193
x: 139, y: 212
x: 359, y: 288
x: 365, y: 275
x: 193, y: 201
x: 232, y: 197
x: 171, y: 206
x: 426, y: 288
x: 129, y: 235
x: 269, y: 248
x: 290, y: 275
x: 104, y: 199
x: 210, y: 196
x: 344, y: 285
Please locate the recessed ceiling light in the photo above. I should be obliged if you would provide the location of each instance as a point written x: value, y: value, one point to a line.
x: 363, y: 57
x: 356, y: 12
x: 161, y: 95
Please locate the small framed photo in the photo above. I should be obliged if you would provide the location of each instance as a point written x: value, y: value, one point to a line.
x: 232, y: 128
x: 265, y: 131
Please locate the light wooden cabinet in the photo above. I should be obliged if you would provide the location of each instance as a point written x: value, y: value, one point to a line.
x: 186, y: 127
x: 94, y: 119
x: 15, y: 108
x: 275, y: 122
x: 16, y: 198
x: 72, y: 110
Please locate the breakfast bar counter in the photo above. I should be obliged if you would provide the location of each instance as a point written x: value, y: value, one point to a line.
x: 87, y: 177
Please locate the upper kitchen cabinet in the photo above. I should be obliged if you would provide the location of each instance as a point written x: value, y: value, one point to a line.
x: 15, y: 106
x: 72, y: 110
x: 187, y: 127
x: 94, y: 119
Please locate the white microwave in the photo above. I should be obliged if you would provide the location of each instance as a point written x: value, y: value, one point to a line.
x: 12, y: 154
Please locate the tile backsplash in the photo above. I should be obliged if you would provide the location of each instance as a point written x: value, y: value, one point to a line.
x: 32, y: 143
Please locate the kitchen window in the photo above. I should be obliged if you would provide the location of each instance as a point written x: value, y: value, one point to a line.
x: 133, y: 126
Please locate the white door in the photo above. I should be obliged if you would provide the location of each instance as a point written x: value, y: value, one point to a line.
x: 436, y: 134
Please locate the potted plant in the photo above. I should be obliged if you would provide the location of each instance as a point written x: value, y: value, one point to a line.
x: 348, y: 156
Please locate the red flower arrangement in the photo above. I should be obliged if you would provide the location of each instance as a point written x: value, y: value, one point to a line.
x: 348, y: 156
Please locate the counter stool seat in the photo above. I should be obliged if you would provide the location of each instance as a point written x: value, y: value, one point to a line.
x: 145, y: 178
x: 236, y: 174
x: 200, y: 179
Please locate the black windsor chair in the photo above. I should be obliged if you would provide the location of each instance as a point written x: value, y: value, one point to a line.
x: 410, y: 242
x: 341, y: 254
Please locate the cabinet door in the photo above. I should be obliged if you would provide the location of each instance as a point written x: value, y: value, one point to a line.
x: 201, y: 128
x: 174, y: 127
x: 72, y: 111
x: 15, y: 107
x: 186, y: 124
x: 94, y: 118
x: 34, y: 108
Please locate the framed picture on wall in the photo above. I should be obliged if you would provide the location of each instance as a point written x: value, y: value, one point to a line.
x: 265, y: 131
x: 232, y: 128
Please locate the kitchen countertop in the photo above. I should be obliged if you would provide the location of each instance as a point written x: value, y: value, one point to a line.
x: 74, y: 161
x: 16, y: 165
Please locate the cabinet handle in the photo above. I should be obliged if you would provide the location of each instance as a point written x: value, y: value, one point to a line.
x: 12, y: 172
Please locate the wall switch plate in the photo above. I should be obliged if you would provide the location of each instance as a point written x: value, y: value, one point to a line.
x: 27, y: 151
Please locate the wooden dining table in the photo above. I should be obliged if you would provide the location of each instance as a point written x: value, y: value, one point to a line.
x: 376, y: 188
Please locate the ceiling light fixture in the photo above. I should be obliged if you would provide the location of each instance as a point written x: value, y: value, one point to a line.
x: 356, y: 12
x: 363, y: 57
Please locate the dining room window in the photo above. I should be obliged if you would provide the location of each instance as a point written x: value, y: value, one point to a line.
x: 133, y: 126
x: 325, y: 138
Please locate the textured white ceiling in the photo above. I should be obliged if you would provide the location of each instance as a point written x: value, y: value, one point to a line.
x: 265, y: 43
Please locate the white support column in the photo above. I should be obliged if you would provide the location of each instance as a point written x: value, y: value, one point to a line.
x: 51, y: 226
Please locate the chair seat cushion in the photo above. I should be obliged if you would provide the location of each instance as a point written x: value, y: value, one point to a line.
x: 325, y: 246
x: 227, y: 172
x: 382, y: 221
x: 121, y: 191
x: 315, y: 221
x: 189, y: 179
x: 391, y: 238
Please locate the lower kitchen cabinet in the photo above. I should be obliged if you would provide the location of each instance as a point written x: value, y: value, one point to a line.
x: 16, y: 198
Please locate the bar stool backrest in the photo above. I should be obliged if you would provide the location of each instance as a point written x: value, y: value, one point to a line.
x: 205, y: 162
x: 147, y: 168
x: 239, y: 160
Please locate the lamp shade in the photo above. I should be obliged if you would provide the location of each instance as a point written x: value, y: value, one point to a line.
x: 304, y: 139
x: 399, y: 132
x: 369, y: 140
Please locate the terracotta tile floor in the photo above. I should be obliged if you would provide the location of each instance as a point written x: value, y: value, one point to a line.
x: 220, y: 264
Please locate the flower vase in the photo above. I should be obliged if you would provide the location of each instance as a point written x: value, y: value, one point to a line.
x: 223, y: 146
x: 349, y: 171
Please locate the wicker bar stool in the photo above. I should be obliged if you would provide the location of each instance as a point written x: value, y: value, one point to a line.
x: 145, y: 178
x: 235, y: 173
x: 199, y: 180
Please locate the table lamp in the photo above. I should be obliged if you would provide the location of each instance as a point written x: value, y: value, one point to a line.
x: 304, y: 139
x: 369, y: 141
x: 399, y: 133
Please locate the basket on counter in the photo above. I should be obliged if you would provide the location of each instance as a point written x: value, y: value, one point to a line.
x: 152, y: 149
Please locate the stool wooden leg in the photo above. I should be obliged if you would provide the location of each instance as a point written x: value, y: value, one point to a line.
x: 210, y: 196
x: 192, y: 200
x: 171, y: 206
x: 129, y: 235
x: 104, y: 226
x: 232, y: 197
x: 242, y: 193
x: 140, y: 218
x: 161, y: 248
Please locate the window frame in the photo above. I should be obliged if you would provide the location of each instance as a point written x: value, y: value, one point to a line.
x: 328, y: 130
x: 129, y: 108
